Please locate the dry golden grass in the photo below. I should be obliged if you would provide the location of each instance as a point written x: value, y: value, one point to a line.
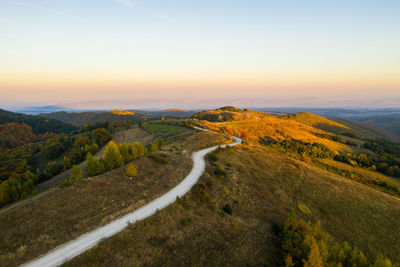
x: 315, y: 121
x: 262, y: 186
x: 121, y: 112
x: 362, y: 172
x: 269, y: 126
x: 36, y: 225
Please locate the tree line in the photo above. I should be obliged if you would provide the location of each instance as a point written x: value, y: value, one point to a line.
x: 307, y: 245
x: 115, y: 156
x: 18, y: 174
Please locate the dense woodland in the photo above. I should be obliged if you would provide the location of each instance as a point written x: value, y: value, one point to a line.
x: 18, y: 172
x: 39, y: 125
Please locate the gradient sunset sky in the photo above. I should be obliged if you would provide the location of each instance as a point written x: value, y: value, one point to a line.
x: 69, y: 52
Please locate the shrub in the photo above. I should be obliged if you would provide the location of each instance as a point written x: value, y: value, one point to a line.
x: 131, y: 170
x: 212, y: 157
x: 227, y: 209
x: 186, y: 221
x: 76, y: 175
x: 220, y: 170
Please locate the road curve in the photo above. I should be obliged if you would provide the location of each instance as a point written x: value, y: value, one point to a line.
x: 79, y: 245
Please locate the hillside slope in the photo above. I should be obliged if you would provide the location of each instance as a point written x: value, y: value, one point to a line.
x: 262, y: 186
x: 369, y: 129
x: 389, y: 123
x: 81, y: 118
x: 39, y: 125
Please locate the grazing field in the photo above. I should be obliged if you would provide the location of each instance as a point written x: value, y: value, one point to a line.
x: 261, y: 186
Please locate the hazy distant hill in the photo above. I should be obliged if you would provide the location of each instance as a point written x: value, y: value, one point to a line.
x: 390, y: 122
x: 42, y: 109
x: 353, y: 114
x: 39, y: 125
x: 368, y: 129
x: 81, y: 118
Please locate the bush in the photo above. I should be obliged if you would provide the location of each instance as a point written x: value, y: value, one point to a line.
x: 220, y: 171
x: 131, y: 170
x: 227, y: 209
x: 75, y: 176
x: 212, y: 157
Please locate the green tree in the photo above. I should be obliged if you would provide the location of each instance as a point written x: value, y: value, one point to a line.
x: 159, y: 143
x: 101, y: 136
x: 91, y: 166
x: 124, y: 151
x: 75, y: 176
x: 28, y: 175
x: 67, y: 163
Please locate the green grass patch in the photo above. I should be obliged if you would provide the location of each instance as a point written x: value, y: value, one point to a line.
x: 159, y: 129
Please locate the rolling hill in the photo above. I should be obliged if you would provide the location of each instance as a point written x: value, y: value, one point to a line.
x: 390, y: 123
x: 236, y: 214
x: 370, y: 130
x: 81, y: 118
x: 342, y: 126
x: 39, y: 125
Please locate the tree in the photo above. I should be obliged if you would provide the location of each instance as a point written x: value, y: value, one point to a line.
x: 151, y: 148
x: 93, y: 166
x: 81, y: 142
x: 75, y: 176
x: 53, y: 168
x: 159, y: 143
x: 67, y: 163
x: 314, y: 258
x: 76, y: 173
x: 28, y: 175
x: 101, y: 136
x: 137, y: 150
x: 4, y: 193
x: 112, y: 156
x: 131, y: 170
x: 124, y: 151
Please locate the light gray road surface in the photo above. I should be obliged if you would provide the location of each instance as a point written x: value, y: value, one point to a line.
x: 75, y: 247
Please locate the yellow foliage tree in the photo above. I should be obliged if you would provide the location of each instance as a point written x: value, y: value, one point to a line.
x: 131, y: 170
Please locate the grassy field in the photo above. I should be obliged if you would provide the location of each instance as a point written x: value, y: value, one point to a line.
x: 164, y: 130
x: 262, y: 186
x: 38, y: 224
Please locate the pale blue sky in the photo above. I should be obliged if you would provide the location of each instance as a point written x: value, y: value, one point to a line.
x: 168, y: 48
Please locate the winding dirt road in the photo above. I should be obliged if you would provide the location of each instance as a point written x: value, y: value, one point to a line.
x: 77, y: 246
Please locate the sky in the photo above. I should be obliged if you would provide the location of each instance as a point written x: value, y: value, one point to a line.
x: 171, y: 53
